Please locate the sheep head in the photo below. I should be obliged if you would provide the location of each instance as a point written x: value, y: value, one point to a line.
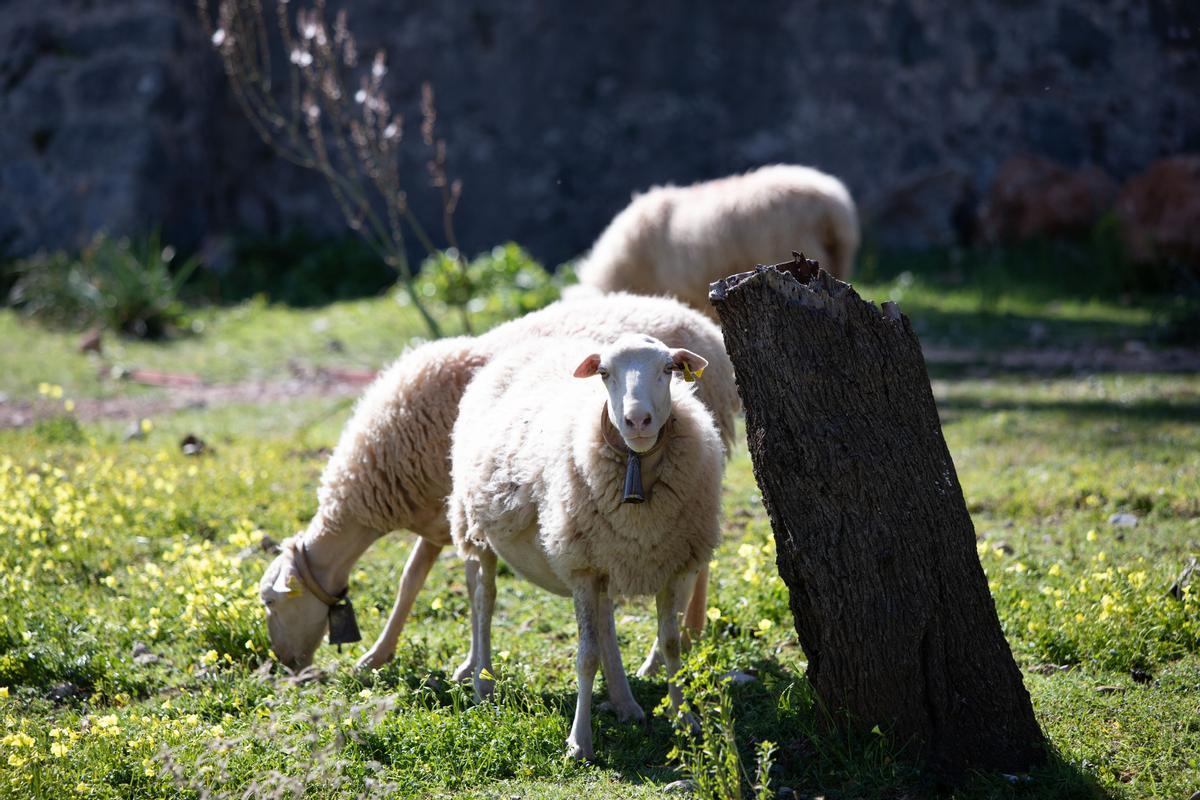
x: 296, y: 618
x: 636, y: 370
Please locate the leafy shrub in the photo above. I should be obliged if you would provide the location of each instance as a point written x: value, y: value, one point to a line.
x: 501, y: 284
x: 117, y: 284
x: 706, y: 746
x: 1093, y: 265
x: 297, y: 269
x: 1112, y: 615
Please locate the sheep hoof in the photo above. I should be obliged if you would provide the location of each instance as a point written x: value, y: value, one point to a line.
x: 373, y: 660
x: 625, y: 713
x: 577, y: 752
x: 633, y: 714
x: 693, y: 724
x: 483, y: 689
x: 465, y: 670
x: 652, y: 664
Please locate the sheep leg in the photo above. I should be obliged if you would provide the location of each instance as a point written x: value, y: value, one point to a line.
x: 619, y: 695
x: 654, y: 659
x: 467, y: 668
x: 697, y: 610
x: 416, y: 570
x: 587, y: 660
x: 669, y: 601
x: 484, y: 605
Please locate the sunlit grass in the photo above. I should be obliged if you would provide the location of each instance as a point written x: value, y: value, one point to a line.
x: 131, y: 636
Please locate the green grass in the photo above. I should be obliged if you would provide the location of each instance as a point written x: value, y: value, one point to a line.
x: 247, y: 341
x: 108, y: 543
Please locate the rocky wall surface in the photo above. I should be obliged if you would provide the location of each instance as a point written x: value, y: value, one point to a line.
x: 114, y: 114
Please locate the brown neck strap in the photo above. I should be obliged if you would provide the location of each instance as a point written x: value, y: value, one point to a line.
x: 300, y: 559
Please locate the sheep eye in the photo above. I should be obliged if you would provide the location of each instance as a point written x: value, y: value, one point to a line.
x: 669, y: 368
x: 603, y: 372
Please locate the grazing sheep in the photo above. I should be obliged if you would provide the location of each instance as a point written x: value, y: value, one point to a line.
x: 677, y: 240
x: 540, y: 464
x: 391, y: 467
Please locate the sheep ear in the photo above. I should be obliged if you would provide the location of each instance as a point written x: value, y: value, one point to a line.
x: 287, y: 582
x: 589, y: 366
x: 691, y: 365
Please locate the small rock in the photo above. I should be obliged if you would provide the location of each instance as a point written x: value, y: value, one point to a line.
x: 1123, y: 520
x: 1140, y: 676
x: 335, y: 346
x: 1184, y: 579
x: 737, y: 676
x: 134, y: 431
x: 684, y: 786
x: 142, y: 651
x: 62, y: 692
x: 193, y: 445
x: 92, y: 341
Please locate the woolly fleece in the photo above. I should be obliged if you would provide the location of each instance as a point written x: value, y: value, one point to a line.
x: 677, y: 240
x: 528, y: 450
x: 391, y: 467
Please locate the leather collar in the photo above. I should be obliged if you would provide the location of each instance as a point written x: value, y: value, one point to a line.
x: 300, y: 559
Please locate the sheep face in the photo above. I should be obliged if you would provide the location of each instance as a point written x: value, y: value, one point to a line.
x: 636, y: 370
x: 296, y: 619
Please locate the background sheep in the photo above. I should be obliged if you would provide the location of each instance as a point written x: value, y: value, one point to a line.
x: 391, y: 467
x: 676, y: 240
x: 539, y: 478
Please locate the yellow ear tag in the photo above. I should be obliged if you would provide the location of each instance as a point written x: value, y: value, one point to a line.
x: 689, y: 375
x: 293, y: 589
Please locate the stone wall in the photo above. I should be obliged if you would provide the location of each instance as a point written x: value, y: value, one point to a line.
x: 115, y: 114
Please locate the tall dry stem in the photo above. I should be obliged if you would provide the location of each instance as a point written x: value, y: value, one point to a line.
x: 313, y: 118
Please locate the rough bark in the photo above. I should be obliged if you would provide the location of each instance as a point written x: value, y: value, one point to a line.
x: 873, y: 537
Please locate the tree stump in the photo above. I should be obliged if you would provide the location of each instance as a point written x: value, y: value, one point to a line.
x: 873, y: 537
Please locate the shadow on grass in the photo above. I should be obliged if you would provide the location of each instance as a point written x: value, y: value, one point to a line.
x: 1149, y: 411
x: 777, y: 706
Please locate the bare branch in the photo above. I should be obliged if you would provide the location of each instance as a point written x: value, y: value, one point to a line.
x: 351, y: 138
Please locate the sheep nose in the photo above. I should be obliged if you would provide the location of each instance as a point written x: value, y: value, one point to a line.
x: 641, y: 425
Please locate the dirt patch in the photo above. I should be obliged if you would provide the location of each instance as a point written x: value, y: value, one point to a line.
x: 183, y: 398
x: 170, y: 395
